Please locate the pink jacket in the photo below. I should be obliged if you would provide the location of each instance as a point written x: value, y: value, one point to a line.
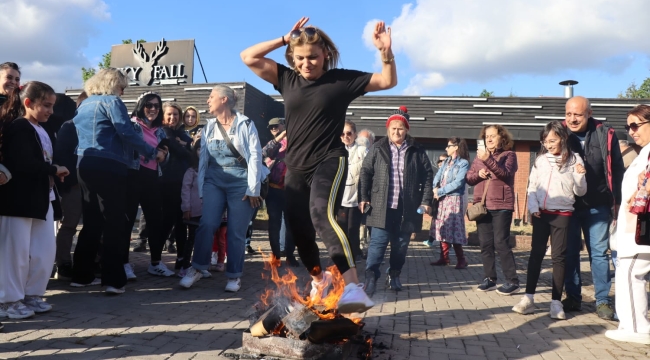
x: 190, y: 200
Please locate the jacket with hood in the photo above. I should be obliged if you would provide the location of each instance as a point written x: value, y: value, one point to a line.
x: 604, y: 165
x: 356, y: 154
x: 179, y: 155
x: 553, y: 188
x: 248, y: 147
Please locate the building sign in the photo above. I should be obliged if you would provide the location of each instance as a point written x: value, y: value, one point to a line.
x: 161, y: 63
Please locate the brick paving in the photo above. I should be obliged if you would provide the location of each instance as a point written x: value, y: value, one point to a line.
x: 439, y: 315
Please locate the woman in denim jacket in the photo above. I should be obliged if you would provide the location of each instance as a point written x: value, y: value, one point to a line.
x: 449, y: 188
x: 145, y: 186
x: 226, y: 182
x: 106, y: 142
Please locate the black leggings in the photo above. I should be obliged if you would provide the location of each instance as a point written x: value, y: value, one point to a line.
x: 312, y: 201
x: 144, y: 189
x: 349, y: 219
x: 557, y: 227
x: 172, y: 215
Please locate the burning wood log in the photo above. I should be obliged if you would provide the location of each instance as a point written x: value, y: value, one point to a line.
x: 299, y: 320
x: 270, y: 320
x: 322, y: 331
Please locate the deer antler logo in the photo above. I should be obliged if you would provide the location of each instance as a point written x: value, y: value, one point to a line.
x: 147, y: 61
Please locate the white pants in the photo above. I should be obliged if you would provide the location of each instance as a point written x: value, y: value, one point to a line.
x: 27, y: 250
x: 631, y: 295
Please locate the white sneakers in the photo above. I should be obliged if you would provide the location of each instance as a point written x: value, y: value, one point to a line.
x: 130, y: 275
x: 191, y: 276
x: 525, y: 306
x: 15, y: 310
x: 320, y: 289
x: 160, y: 270
x: 36, y: 304
x: 354, y: 300
x: 114, y: 290
x: 557, y: 310
x: 622, y: 335
x: 233, y: 285
x: 214, y: 260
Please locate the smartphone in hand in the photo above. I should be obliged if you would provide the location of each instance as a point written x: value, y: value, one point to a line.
x: 164, y: 143
x: 480, y: 145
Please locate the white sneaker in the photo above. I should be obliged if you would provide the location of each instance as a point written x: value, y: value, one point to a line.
x: 525, y: 306
x: 191, y: 276
x: 37, y: 304
x: 130, y: 275
x: 160, y: 270
x: 354, y: 300
x: 95, y: 282
x: 320, y: 290
x: 206, y: 274
x: 214, y: 259
x: 114, y: 290
x: 622, y: 335
x: 15, y: 310
x: 557, y: 310
x: 233, y: 285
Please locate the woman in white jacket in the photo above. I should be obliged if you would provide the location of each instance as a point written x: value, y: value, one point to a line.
x: 556, y: 178
x: 633, y: 259
x: 349, y: 215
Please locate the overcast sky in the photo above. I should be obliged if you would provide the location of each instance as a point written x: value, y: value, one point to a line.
x: 451, y: 48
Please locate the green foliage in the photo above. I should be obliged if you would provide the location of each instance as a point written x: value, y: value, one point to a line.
x: 486, y: 93
x: 637, y: 92
x: 106, y: 61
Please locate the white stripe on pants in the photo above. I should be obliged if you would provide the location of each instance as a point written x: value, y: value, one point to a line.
x: 631, y: 295
x: 27, y: 250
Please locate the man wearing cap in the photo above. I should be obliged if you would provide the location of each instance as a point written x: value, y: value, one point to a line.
x: 274, y: 153
x: 597, y: 145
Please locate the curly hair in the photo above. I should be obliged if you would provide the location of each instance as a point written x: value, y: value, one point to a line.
x: 507, y: 142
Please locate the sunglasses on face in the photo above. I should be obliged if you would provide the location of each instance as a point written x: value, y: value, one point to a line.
x: 150, y: 106
x: 273, y: 127
x: 634, y: 126
x: 347, y: 133
x: 309, y: 31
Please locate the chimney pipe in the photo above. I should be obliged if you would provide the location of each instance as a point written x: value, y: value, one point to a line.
x: 568, y: 87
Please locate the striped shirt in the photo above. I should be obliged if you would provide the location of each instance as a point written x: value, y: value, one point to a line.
x: 396, y: 179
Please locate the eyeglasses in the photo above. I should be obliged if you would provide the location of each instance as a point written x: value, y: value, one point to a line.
x: 439, y: 161
x: 309, y: 31
x: 550, y: 142
x: 150, y: 106
x: 273, y: 127
x: 635, y: 126
x: 450, y: 145
x: 347, y: 133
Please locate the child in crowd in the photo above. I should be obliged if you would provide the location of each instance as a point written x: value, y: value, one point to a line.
x: 220, y: 245
x: 556, y: 178
x: 29, y: 204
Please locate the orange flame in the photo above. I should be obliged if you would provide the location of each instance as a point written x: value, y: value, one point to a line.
x: 286, y: 287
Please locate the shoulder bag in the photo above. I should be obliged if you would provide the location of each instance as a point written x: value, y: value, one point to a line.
x: 477, y: 211
x: 264, y: 189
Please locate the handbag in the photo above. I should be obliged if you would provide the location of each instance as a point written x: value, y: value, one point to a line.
x: 264, y: 189
x: 477, y: 211
x: 642, y: 234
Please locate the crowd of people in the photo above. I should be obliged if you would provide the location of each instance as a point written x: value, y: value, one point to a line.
x: 317, y: 175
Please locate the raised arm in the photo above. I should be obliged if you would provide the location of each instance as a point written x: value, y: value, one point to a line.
x: 388, y: 77
x: 255, y: 56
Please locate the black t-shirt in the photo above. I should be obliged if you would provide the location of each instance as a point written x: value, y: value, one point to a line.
x: 315, y: 114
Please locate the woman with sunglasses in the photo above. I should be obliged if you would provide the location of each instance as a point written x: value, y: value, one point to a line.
x: 145, y: 185
x: 349, y: 215
x: 316, y: 95
x: 633, y: 258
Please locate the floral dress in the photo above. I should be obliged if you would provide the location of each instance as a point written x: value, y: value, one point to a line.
x: 450, y: 222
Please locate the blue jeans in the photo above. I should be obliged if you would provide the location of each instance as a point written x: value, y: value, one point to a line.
x: 594, y: 223
x: 379, y: 240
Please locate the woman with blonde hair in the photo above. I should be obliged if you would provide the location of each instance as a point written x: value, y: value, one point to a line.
x: 107, y: 140
x: 316, y: 95
x: 191, y: 120
x: 493, y: 173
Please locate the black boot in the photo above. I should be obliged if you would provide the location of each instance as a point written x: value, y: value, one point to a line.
x: 392, y: 280
x: 371, y: 283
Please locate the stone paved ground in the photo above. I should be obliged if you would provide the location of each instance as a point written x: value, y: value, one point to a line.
x: 438, y: 316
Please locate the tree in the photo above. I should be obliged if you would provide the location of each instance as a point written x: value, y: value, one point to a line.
x: 486, y: 93
x: 87, y: 73
x: 634, y: 92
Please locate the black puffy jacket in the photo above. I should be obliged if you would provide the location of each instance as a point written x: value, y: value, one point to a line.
x: 179, y: 156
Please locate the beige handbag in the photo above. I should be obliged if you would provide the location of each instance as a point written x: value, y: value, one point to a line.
x: 477, y: 211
